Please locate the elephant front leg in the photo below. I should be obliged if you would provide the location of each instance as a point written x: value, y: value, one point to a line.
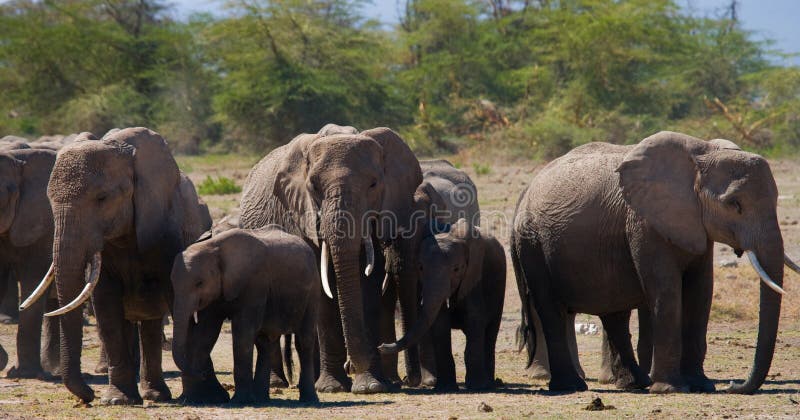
x: 29, y: 329
x: 443, y: 353
x: 205, y: 388
x: 373, y: 380
x: 477, y: 378
x: 698, y: 287
x: 387, y: 333
x: 152, y: 377
x: 667, y: 320
x: 50, y: 349
x: 244, y: 337
x: 332, y: 377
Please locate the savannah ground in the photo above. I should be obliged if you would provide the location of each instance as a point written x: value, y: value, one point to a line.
x: 731, y: 338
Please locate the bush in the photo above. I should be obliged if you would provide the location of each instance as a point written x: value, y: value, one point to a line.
x: 219, y: 186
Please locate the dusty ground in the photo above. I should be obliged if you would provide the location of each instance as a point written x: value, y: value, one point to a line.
x: 730, y: 351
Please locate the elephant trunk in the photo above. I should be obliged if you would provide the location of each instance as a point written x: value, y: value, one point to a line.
x: 434, y: 295
x: 408, y: 295
x: 342, y: 232
x: 69, y: 260
x: 770, y: 257
x: 182, y: 319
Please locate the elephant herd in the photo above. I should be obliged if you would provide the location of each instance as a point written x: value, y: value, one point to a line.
x: 339, y: 228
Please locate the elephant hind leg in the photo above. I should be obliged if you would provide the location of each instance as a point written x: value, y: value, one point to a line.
x: 305, y: 341
x: 627, y: 373
x: 277, y: 376
x: 262, y: 378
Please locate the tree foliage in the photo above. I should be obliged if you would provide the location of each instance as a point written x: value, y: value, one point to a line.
x: 534, y: 76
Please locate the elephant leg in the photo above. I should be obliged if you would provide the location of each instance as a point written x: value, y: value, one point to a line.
x: 698, y: 287
x: 626, y: 371
x: 607, y: 357
x: 9, y: 294
x: 277, y: 376
x: 427, y: 361
x: 116, y: 333
x: 573, y: 344
x: 265, y: 358
x: 492, y: 329
x: 244, y: 338
x: 306, y: 343
x: 29, y: 330
x: 204, y: 388
x: 51, y: 340
x: 540, y: 366
x: 332, y: 377
x: 387, y: 334
x: 373, y: 380
x: 443, y: 352
x: 477, y: 377
x: 152, y: 377
x: 665, y: 299
x: 644, y: 348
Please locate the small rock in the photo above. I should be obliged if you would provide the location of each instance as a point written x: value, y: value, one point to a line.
x: 277, y: 391
x: 597, y: 405
x: 656, y: 411
x: 485, y: 408
x: 728, y: 263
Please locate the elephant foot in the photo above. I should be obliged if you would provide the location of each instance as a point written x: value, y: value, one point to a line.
x: 701, y: 384
x: 116, y: 396
x: 668, y: 388
x: 308, y: 395
x: 568, y: 384
x: 606, y: 376
x: 158, y: 392
x: 3, y: 358
x: 629, y: 380
x: 276, y: 381
x: 428, y: 379
x: 80, y: 390
x: 413, y: 380
x: 368, y: 383
x: 101, y: 368
x: 244, y: 398
x: 538, y: 371
x: 210, y: 392
x: 330, y: 384
x: 446, y: 387
x: 28, y: 373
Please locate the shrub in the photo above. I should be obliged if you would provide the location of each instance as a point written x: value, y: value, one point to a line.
x: 221, y: 185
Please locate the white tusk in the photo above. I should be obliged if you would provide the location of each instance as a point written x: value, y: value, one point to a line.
x: 448, y: 303
x: 385, y: 284
x: 323, y: 270
x: 40, y: 289
x: 791, y: 264
x: 94, y: 277
x: 370, y: 254
x: 195, y: 317
x: 763, y: 274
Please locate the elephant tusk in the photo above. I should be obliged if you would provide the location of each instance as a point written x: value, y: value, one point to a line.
x: 448, y: 303
x: 323, y: 270
x: 791, y: 264
x: 195, y: 317
x: 40, y: 289
x: 370, y: 254
x: 94, y: 277
x: 385, y: 284
x: 763, y: 274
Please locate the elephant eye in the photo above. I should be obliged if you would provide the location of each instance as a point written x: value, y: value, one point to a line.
x: 373, y: 184
x: 736, y: 205
x: 101, y: 197
x: 198, y: 284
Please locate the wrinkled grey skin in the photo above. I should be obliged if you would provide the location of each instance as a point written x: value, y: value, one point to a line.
x: 463, y: 287
x: 316, y: 187
x: 445, y: 195
x: 633, y: 226
x: 26, y: 244
x: 266, y: 282
x: 122, y: 196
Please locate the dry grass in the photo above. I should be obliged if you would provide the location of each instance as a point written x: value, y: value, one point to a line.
x: 730, y: 343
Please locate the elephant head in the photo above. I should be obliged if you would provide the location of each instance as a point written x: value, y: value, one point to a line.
x: 450, y: 265
x: 119, y: 190
x: 342, y: 189
x: 694, y: 193
x: 23, y: 182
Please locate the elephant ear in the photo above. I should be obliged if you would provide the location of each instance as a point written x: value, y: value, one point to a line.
x: 156, y: 180
x: 291, y: 185
x: 402, y: 174
x: 331, y: 129
x: 33, y: 219
x: 470, y: 235
x: 658, y: 179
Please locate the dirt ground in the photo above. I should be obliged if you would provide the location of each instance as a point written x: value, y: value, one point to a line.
x: 731, y: 339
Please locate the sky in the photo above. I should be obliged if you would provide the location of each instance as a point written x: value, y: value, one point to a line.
x: 778, y: 20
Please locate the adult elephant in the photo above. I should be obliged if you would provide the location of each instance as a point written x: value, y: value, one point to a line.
x: 606, y: 229
x: 445, y: 195
x: 341, y: 191
x: 26, y: 243
x: 122, y: 208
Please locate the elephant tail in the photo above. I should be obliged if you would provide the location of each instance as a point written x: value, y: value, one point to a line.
x: 287, y: 357
x: 526, y: 335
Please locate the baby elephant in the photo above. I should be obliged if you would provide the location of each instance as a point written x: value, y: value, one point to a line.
x: 463, y: 276
x: 266, y: 282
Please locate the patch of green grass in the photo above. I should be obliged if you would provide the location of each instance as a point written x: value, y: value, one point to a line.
x: 219, y: 186
x: 481, y: 169
x: 216, y: 162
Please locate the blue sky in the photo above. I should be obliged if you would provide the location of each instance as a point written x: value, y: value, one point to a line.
x: 778, y: 20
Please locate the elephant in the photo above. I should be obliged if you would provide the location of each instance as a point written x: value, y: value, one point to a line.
x: 341, y: 193
x: 445, y: 195
x: 463, y: 275
x: 269, y: 285
x: 26, y: 243
x: 122, y: 211
x: 606, y: 229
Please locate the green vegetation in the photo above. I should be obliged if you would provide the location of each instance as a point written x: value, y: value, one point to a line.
x: 219, y: 186
x: 534, y: 78
x: 481, y: 169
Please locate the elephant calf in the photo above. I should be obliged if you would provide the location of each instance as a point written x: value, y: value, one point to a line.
x: 266, y: 282
x: 463, y: 286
